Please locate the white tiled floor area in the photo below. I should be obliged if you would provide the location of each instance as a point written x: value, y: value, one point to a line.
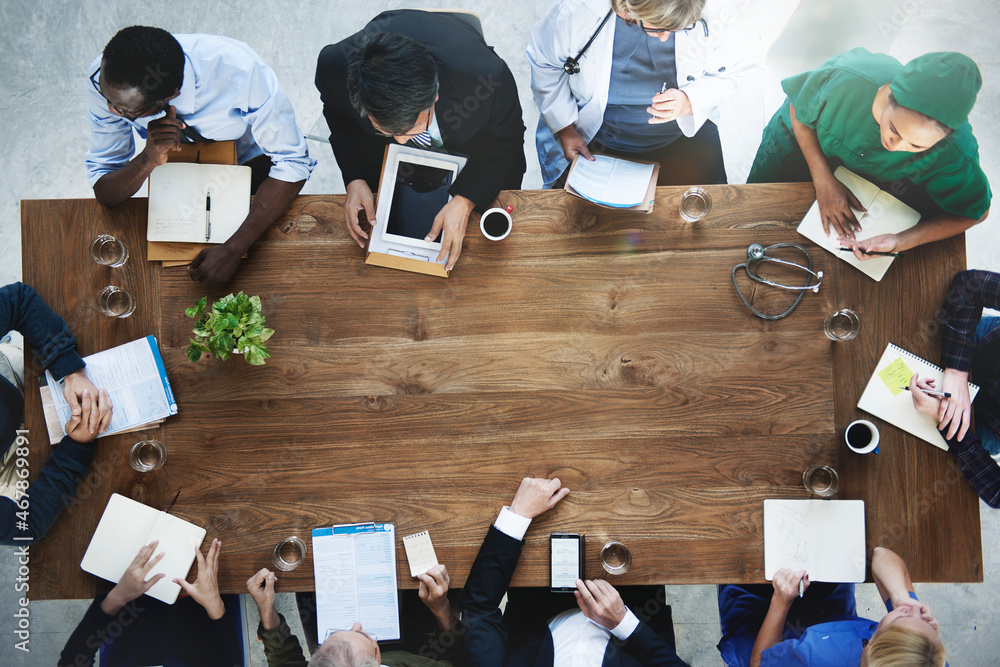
x: 47, y: 45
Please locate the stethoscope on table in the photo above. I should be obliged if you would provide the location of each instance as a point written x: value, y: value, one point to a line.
x: 757, y: 255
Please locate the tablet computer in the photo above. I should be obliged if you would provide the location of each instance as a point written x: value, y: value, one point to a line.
x: 417, y: 190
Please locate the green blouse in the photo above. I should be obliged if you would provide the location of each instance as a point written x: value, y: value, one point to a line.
x: 836, y: 101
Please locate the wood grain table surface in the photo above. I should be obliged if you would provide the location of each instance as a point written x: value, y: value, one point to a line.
x: 606, y: 348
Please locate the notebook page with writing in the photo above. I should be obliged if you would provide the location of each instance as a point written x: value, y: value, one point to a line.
x: 826, y: 538
x: 177, y: 203
x: 885, y: 215
x: 895, y: 406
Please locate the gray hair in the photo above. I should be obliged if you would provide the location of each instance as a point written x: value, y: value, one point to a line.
x: 667, y: 14
x: 338, y: 653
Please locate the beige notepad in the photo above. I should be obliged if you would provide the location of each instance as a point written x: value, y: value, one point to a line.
x: 883, y: 398
x: 885, y: 215
x: 177, y: 202
x: 826, y: 538
x: 419, y: 552
x: 125, y: 527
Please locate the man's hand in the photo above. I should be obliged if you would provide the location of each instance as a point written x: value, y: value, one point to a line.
x: 957, y: 410
x: 434, y: 593
x: 880, y: 243
x: 600, y: 602
x: 359, y: 198
x: 74, y: 385
x: 836, y: 207
x: 216, y: 265
x: 133, y: 583
x: 163, y: 135
x: 205, y: 589
x: 924, y: 404
x: 668, y: 106
x: 536, y: 496
x: 573, y: 144
x: 78, y: 426
x: 786, y: 584
x: 453, y: 219
x: 261, y: 589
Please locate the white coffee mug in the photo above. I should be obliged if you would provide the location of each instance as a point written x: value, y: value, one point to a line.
x: 866, y: 428
x: 503, y: 212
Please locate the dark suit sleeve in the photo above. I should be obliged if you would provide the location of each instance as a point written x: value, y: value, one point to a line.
x: 357, y: 150
x: 649, y: 648
x: 496, y: 152
x: 485, y: 634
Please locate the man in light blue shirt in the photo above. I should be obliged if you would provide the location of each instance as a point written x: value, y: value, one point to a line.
x: 178, y: 89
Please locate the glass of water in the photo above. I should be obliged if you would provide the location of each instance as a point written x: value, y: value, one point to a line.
x: 288, y: 553
x: 842, y: 325
x: 821, y: 481
x: 116, y: 302
x: 147, y: 455
x: 108, y: 251
x: 695, y: 204
x: 615, y: 557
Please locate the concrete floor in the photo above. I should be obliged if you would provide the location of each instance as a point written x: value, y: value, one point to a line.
x: 48, y: 45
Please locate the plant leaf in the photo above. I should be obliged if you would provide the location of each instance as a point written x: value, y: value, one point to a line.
x: 265, y: 334
x: 193, y: 353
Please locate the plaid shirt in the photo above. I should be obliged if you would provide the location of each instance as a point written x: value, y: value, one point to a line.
x: 970, y: 292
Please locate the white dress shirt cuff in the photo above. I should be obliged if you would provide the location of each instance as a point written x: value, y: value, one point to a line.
x: 512, y: 524
x: 627, y: 626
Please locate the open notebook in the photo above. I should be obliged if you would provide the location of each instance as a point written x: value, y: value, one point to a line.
x: 885, y: 215
x: 826, y: 538
x: 884, y: 398
x: 178, y: 202
x: 126, y: 527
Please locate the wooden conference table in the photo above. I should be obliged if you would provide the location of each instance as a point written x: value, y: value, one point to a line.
x: 606, y: 348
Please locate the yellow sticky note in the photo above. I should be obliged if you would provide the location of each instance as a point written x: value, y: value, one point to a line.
x: 896, y: 375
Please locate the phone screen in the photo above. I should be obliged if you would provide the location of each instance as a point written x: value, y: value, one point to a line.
x: 564, y: 561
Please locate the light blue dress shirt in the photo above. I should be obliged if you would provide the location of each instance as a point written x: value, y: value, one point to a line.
x: 228, y: 93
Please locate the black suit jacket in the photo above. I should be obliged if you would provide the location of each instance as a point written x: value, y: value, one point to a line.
x: 486, y: 639
x: 478, y: 111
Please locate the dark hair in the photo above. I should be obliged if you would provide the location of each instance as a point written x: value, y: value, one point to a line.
x: 941, y: 126
x: 147, y: 59
x: 392, y: 79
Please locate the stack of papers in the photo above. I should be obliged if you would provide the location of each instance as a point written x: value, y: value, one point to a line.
x: 613, y: 182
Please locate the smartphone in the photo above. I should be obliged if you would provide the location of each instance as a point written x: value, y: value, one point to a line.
x: 565, y: 561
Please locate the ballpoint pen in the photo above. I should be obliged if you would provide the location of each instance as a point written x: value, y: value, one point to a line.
x: 208, y: 216
x: 663, y: 89
x: 875, y: 252
x: 932, y: 392
x: 802, y: 588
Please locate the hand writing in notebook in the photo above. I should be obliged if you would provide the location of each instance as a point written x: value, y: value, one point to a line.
x: 880, y: 243
x: 134, y: 582
x: 957, y: 410
x: 786, y: 584
x: 205, y: 589
x: 937, y: 407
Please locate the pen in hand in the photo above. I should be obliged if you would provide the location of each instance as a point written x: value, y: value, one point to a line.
x: 874, y: 252
x: 932, y: 392
x: 802, y: 588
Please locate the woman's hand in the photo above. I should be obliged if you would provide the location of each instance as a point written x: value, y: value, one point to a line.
x: 836, y: 207
x: 668, y: 106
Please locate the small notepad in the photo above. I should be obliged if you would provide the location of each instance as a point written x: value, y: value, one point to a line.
x: 419, y: 552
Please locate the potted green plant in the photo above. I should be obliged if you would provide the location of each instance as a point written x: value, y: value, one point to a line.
x: 235, y: 324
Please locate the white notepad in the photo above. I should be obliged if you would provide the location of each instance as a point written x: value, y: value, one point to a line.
x: 355, y: 569
x: 885, y: 215
x: 826, y: 538
x: 419, y: 552
x: 126, y: 527
x: 177, y: 205
x: 886, y: 401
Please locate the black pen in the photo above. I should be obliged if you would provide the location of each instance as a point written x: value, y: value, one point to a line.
x: 875, y: 252
x: 932, y: 392
x: 208, y: 215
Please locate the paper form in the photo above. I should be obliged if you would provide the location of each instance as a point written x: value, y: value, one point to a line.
x: 611, y: 181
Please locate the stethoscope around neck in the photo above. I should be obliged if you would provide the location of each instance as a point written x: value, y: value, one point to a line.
x: 757, y: 255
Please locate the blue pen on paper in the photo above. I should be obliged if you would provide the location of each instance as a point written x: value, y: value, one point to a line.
x: 931, y: 392
x: 208, y: 215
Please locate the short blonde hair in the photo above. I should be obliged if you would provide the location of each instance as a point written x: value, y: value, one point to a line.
x: 666, y: 14
x: 904, y: 647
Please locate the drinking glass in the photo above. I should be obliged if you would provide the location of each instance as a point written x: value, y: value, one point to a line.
x: 842, y: 325
x: 147, y: 455
x: 695, y: 204
x: 109, y: 251
x: 615, y: 558
x: 288, y: 553
x: 822, y: 481
x: 116, y: 302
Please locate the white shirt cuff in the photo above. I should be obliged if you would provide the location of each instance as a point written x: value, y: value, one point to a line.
x: 512, y: 524
x: 627, y: 626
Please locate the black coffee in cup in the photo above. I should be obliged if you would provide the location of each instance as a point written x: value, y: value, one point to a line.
x: 496, y: 224
x: 859, y: 436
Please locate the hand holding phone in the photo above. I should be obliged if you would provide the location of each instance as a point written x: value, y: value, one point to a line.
x: 565, y: 561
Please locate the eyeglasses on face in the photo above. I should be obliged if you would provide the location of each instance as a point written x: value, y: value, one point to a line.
x: 656, y: 31
x: 94, y: 80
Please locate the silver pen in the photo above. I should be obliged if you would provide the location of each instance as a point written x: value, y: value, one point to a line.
x: 932, y: 392
x: 663, y: 89
x: 208, y: 216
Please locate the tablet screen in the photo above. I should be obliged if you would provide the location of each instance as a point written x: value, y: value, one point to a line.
x: 420, y: 192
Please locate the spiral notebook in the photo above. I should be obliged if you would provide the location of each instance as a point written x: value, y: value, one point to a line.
x: 884, y: 398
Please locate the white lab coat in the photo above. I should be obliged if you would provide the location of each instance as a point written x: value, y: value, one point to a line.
x: 708, y: 70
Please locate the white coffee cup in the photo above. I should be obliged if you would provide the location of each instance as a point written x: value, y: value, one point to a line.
x: 866, y: 429
x: 491, y: 215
